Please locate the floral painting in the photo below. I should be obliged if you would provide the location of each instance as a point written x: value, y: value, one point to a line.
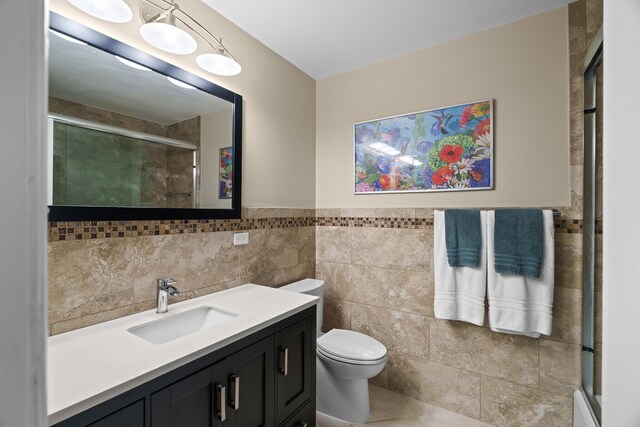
x: 226, y: 173
x: 445, y: 149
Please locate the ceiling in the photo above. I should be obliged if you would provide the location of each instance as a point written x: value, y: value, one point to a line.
x: 89, y: 76
x: 325, y: 38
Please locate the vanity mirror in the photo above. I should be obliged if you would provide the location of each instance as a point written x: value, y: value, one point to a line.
x: 133, y: 137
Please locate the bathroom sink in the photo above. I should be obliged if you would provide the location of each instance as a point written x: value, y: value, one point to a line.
x: 179, y: 325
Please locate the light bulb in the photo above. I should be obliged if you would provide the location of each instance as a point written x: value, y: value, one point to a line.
x: 107, y: 10
x: 218, y: 63
x: 168, y: 38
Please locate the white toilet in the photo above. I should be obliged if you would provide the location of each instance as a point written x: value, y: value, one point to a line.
x: 345, y: 361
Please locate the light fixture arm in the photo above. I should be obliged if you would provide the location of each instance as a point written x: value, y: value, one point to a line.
x: 174, y: 7
x: 163, y: 15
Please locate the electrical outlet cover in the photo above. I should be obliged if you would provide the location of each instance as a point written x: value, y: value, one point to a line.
x: 241, y: 238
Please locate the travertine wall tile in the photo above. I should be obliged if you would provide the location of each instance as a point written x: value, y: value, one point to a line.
x: 567, y: 315
x: 193, y: 260
x: 425, y: 213
x: 594, y: 19
x: 400, y: 332
x: 292, y: 274
x: 306, y: 244
x: 382, y: 379
x: 505, y: 404
x: 568, y: 253
x: 336, y: 314
x: 577, y: 36
x: 355, y: 283
x: 478, y: 349
x: 392, y: 248
x: 88, y: 277
x: 358, y: 212
x: 559, y: 367
x: 411, y: 291
x: 441, y: 385
x: 333, y: 244
x: 395, y: 213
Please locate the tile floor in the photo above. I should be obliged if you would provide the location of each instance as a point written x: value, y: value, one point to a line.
x: 389, y: 409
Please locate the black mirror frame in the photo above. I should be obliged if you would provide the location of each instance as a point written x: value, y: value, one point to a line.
x: 115, y: 47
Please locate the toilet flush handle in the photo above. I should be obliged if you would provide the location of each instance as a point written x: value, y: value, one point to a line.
x: 284, y: 361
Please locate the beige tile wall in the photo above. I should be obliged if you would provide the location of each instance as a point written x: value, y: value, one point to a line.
x: 95, y: 280
x: 380, y: 282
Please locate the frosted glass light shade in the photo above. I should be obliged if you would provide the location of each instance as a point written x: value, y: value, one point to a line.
x: 168, y: 38
x: 107, y: 10
x: 179, y: 83
x: 218, y: 63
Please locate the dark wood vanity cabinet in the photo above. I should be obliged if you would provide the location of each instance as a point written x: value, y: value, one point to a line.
x: 266, y: 379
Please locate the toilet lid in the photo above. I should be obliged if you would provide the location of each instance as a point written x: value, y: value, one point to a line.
x: 351, y: 345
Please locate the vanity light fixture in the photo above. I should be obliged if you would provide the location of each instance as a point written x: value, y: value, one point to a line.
x: 132, y: 64
x: 179, y: 83
x: 67, y: 38
x: 107, y: 10
x: 161, y: 31
x: 219, y: 63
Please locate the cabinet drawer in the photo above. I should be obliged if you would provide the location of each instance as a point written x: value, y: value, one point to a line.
x: 130, y: 416
x: 305, y: 417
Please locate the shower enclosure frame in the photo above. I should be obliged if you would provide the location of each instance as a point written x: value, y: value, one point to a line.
x: 589, y: 69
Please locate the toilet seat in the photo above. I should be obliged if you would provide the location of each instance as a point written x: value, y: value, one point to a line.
x: 351, y: 347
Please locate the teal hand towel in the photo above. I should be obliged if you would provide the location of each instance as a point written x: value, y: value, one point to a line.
x: 463, y: 237
x: 518, y: 242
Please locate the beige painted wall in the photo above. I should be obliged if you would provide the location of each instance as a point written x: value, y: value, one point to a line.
x: 279, y: 105
x: 523, y: 66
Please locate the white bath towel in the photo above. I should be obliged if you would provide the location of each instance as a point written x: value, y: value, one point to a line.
x: 521, y: 305
x: 459, y: 291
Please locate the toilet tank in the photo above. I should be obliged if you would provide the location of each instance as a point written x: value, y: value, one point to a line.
x: 313, y: 287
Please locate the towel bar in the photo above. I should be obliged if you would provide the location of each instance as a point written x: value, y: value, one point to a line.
x: 556, y: 212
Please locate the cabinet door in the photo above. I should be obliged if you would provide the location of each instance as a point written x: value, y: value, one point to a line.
x: 255, y: 385
x: 296, y: 364
x: 198, y: 400
x: 130, y: 416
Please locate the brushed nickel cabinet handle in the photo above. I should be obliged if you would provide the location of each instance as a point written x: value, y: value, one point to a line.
x: 222, y: 402
x: 235, y: 400
x: 284, y: 361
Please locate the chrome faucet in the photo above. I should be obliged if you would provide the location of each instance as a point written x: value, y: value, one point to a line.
x: 165, y: 288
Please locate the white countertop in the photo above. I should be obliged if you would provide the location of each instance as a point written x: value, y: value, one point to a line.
x: 88, y: 366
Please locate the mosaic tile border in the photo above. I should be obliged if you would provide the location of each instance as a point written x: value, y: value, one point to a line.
x: 86, y: 230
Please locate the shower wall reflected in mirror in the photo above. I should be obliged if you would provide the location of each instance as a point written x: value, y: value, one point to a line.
x: 96, y: 168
